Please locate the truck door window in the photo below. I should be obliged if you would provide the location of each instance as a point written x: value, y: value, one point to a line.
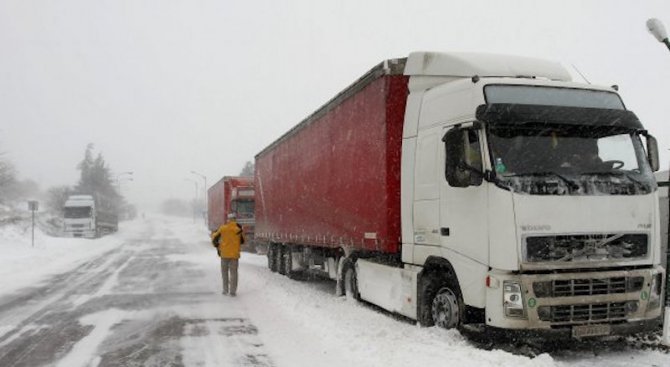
x: 463, y: 158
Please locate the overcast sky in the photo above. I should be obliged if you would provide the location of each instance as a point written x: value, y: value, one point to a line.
x: 165, y: 87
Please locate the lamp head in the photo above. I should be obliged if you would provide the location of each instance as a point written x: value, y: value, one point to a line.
x: 657, y: 29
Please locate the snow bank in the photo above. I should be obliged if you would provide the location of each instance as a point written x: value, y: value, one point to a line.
x: 23, y: 265
x: 358, y: 333
x: 304, y: 324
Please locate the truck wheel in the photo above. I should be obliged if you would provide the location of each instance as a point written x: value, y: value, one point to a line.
x: 281, y: 250
x: 445, y: 308
x: 277, y: 257
x: 440, y: 301
x: 350, y: 280
x: 272, y: 254
x: 287, y: 261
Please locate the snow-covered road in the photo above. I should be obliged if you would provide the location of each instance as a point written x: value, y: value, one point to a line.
x: 150, y: 296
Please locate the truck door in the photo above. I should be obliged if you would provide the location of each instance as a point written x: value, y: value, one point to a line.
x: 463, y: 193
x: 427, y: 194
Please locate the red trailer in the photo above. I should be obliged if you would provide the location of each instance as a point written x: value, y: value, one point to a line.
x: 233, y: 195
x: 333, y: 181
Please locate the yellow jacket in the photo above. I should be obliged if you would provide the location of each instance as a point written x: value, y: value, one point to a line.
x: 231, y: 238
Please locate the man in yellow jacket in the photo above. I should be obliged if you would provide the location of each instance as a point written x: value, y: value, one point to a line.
x: 227, y: 240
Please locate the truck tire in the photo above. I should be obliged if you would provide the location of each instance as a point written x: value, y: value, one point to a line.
x: 287, y: 261
x: 277, y: 256
x: 441, y: 303
x: 446, y: 308
x: 350, y: 280
x: 272, y: 254
x: 281, y: 250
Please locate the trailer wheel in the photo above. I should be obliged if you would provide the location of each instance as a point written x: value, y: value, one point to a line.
x: 272, y: 254
x: 281, y: 250
x: 350, y: 280
x: 287, y: 261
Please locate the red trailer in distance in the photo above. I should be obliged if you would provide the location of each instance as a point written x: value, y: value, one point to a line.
x: 233, y: 194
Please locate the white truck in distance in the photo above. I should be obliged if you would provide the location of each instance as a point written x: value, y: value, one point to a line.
x: 83, y: 217
x: 526, y: 201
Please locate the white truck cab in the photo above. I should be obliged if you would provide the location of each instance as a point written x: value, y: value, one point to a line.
x: 79, y: 216
x: 528, y: 202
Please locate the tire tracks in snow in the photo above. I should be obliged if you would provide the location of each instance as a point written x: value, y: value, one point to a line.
x: 131, y: 306
x: 42, y: 318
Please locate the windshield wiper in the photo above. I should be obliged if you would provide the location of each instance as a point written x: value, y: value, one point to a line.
x: 583, y: 251
x: 572, y: 184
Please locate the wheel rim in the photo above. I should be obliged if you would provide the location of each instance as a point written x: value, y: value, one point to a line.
x: 445, y: 309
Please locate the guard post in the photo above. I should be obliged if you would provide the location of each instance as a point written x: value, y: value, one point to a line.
x: 33, y: 206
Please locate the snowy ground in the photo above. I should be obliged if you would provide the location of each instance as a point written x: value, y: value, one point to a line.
x: 150, y: 296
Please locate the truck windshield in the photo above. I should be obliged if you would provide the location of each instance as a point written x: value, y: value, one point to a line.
x: 244, y: 208
x: 569, y: 160
x: 77, y: 212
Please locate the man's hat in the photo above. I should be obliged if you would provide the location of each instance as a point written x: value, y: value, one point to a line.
x: 232, y: 216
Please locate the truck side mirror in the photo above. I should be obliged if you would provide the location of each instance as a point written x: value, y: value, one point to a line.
x: 652, y: 153
x: 463, y: 162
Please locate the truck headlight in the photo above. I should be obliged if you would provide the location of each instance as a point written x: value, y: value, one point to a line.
x: 655, y: 291
x: 513, y: 300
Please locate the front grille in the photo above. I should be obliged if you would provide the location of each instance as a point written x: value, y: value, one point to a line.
x: 589, y: 248
x: 76, y: 226
x: 587, y: 287
x: 596, y: 312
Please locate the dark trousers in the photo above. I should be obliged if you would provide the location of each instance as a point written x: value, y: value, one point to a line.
x: 229, y: 275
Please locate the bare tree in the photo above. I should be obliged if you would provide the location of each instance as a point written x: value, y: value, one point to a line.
x: 56, y: 197
x: 7, y: 179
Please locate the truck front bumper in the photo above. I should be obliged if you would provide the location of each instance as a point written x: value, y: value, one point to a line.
x: 617, y: 302
x: 80, y: 233
x: 565, y: 332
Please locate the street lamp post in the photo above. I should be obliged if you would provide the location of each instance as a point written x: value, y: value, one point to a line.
x: 205, y: 192
x: 657, y: 29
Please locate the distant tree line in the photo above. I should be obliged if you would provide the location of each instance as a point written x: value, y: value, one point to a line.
x: 11, y: 188
x: 95, y: 179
